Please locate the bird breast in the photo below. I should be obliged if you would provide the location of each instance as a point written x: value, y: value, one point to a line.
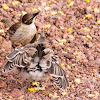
x: 24, y: 34
x: 38, y: 76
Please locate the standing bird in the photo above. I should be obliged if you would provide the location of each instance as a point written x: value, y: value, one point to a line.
x: 24, y: 31
x: 36, y: 62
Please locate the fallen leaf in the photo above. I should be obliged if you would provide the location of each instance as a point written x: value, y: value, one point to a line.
x: 77, y: 80
x: 19, y: 15
x: 61, y: 27
x: 2, y: 31
x: 0, y: 38
x: 71, y: 37
x: 89, y: 7
x: 35, y: 84
x: 63, y: 41
x: 47, y: 8
x: 90, y: 95
x: 24, y: 12
x: 69, y: 67
x: 64, y: 93
x: 70, y: 2
x: 70, y: 29
x: 96, y: 9
x: 89, y: 37
x: 34, y: 9
x: 98, y: 22
x: 53, y: 96
x: 78, y: 58
x: 31, y: 89
x: 47, y: 26
x: 4, y: 6
x: 88, y: 15
x: 86, y: 28
x: 61, y: 65
x: 88, y: 1
x: 15, y: 3
x: 62, y: 13
x: 53, y: 12
x: 64, y: 52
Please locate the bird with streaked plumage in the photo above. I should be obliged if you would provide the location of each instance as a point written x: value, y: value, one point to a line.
x: 37, y: 62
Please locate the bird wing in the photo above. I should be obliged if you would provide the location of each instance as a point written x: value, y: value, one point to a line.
x: 20, y: 58
x: 7, y: 22
x: 14, y: 27
x: 58, y: 74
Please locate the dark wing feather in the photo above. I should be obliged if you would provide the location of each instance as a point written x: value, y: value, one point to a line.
x: 13, y: 54
x: 19, y: 58
x: 58, y: 74
x: 7, y: 22
x: 13, y: 28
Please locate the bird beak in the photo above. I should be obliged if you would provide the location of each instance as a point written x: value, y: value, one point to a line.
x: 35, y: 14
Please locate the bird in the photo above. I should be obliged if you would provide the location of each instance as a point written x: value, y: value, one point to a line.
x: 37, y: 62
x: 24, y: 31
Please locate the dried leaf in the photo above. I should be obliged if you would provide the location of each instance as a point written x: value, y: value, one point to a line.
x: 88, y: 1
x: 18, y: 15
x: 35, y: 84
x: 98, y: 22
x: 24, y: 12
x: 71, y: 37
x: 61, y: 27
x: 64, y: 93
x: 61, y: 65
x: 90, y: 95
x: 53, y: 96
x: 88, y: 15
x: 62, y: 13
x: 47, y: 26
x: 31, y: 89
x: 96, y: 9
x: 86, y: 28
x: 4, y: 6
x: 34, y: 9
x: 89, y: 37
x: 15, y: 3
x: 0, y: 38
x: 89, y: 7
x: 77, y: 80
x: 64, y: 52
x: 70, y: 29
x: 53, y: 12
x: 2, y: 31
x: 47, y: 8
x: 70, y: 2
x: 78, y: 58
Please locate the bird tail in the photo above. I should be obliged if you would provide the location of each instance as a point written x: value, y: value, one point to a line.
x: 7, y: 22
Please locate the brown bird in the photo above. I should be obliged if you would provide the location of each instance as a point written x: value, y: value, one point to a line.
x: 36, y: 62
x: 24, y: 31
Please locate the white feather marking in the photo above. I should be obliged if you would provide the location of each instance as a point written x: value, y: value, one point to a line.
x: 36, y: 59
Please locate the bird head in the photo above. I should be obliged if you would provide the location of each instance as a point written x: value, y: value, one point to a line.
x: 28, y: 18
x: 42, y: 37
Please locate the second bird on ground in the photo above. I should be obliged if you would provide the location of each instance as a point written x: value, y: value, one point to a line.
x: 36, y: 62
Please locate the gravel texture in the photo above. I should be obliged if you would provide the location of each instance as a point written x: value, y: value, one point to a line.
x: 73, y: 30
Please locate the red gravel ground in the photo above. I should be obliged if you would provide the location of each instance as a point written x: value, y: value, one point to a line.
x: 73, y: 31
